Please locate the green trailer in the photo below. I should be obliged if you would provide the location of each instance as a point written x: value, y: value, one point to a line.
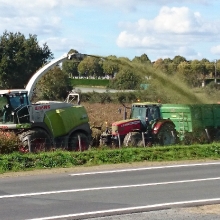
x: 166, y: 124
x: 198, y: 121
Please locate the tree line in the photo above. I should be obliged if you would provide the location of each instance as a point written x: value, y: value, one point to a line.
x: 192, y: 72
x: 21, y: 57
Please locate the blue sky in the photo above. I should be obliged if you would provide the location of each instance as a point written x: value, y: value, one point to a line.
x: 125, y: 28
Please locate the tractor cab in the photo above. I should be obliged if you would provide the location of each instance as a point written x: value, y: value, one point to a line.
x: 14, y: 107
x: 148, y: 113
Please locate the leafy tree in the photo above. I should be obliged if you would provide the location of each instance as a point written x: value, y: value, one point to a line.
x: 160, y: 64
x: 20, y: 58
x: 215, y: 68
x: 142, y: 59
x: 166, y: 65
x: 206, y: 69
x: 213, y: 90
x: 198, y: 68
x: 110, y: 67
x: 90, y: 66
x: 179, y: 59
x: 126, y: 79
x: 171, y: 67
x: 167, y: 60
x: 124, y: 59
x: 55, y: 85
x: 70, y: 67
x: 186, y: 73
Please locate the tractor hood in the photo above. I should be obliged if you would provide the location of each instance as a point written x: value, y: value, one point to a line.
x: 125, y: 126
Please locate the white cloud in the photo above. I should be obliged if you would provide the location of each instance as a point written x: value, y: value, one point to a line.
x: 31, y: 25
x: 173, y: 29
x: 216, y: 50
x: 187, y: 52
x: 63, y: 45
x: 40, y: 6
x: 177, y: 20
x: 57, y: 22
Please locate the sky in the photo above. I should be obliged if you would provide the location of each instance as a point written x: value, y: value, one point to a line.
x: 124, y: 28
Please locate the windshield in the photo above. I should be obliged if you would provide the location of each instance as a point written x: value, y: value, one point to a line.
x: 138, y: 113
x: 9, y: 104
x: 149, y: 113
x: 17, y: 100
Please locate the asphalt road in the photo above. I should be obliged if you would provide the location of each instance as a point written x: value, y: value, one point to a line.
x: 100, y: 90
x: 82, y: 195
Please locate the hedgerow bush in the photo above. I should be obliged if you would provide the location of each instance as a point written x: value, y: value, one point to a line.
x: 9, y: 142
x: 124, y: 97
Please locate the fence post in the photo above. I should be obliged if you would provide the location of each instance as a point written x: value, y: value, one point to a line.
x: 79, y: 141
x: 143, y: 139
x: 119, y: 141
x: 207, y: 134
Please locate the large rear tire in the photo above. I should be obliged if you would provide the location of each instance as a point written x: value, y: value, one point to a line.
x: 216, y: 136
x: 74, y: 142
x: 167, y: 135
x: 35, y: 140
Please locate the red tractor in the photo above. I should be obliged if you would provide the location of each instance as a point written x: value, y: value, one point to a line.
x: 146, y: 126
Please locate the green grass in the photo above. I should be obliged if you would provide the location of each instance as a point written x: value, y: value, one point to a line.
x: 90, y: 82
x: 57, y: 159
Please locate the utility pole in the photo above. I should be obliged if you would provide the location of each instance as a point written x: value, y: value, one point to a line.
x: 215, y: 71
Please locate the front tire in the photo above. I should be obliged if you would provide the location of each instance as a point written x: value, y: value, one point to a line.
x: 132, y: 139
x: 35, y: 140
x: 74, y: 142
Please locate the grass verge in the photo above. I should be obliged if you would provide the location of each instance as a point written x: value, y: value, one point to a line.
x: 60, y: 159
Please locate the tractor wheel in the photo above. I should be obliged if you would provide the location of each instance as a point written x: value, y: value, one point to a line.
x: 196, y: 137
x: 35, y: 140
x: 132, y: 139
x: 74, y: 142
x: 188, y: 139
x: 202, y: 137
x: 167, y: 135
x: 216, y: 137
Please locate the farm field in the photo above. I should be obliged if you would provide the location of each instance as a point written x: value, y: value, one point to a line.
x: 100, y: 114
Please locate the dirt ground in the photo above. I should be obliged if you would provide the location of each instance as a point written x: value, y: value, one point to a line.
x: 207, y: 209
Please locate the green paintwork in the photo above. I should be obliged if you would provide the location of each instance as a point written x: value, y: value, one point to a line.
x: 25, y: 125
x: 188, y: 118
x: 62, y: 121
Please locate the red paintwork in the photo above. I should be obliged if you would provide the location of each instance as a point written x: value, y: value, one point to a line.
x: 42, y: 107
x: 159, y: 124
x: 125, y: 126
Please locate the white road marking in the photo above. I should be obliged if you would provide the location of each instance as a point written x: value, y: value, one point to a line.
x: 106, y: 188
x: 145, y: 168
x: 131, y: 209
